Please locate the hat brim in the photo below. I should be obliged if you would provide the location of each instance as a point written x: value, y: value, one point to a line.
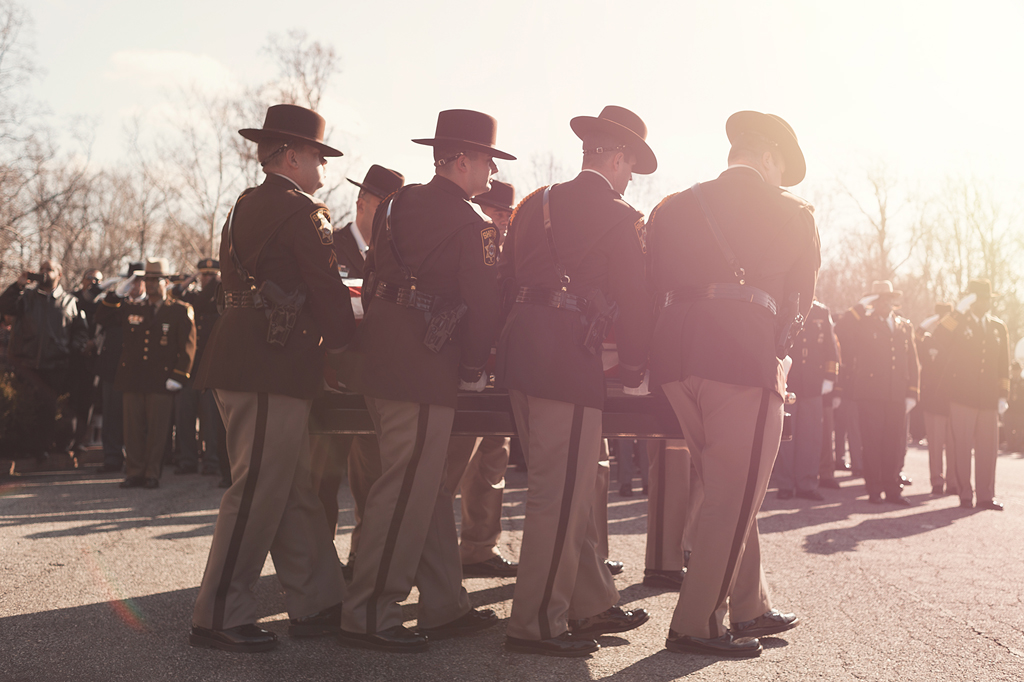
x: 772, y: 128
x: 646, y: 161
x: 895, y: 293
x: 492, y: 204
x: 257, y: 134
x: 375, y: 191
x: 472, y: 146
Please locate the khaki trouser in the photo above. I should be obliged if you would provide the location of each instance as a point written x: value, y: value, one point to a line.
x: 561, y: 572
x: 975, y: 431
x: 939, y: 432
x: 270, y: 507
x: 147, y: 426
x: 604, y: 477
x: 476, y: 466
x: 408, y: 536
x: 733, y: 433
x: 668, y: 504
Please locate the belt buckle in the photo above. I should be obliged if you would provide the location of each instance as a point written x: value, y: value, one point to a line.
x: 562, y: 296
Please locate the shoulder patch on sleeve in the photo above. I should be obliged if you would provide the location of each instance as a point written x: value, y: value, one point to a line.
x: 321, y: 218
x: 641, y: 233
x: 489, y: 240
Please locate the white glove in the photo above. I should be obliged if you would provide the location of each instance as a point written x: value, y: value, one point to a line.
x: 172, y: 385
x: 643, y: 389
x: 868, y: 300
x: 826, y: 386
x: 966, y: 302
x: 475, y: 386
x: 929, y: 323
x: 836, y: 402
x: 1004, y: 405
x: 787, y: 362
x: 911, y: 402
x: 124, y: 287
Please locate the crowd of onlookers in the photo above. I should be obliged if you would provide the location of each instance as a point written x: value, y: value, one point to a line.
x: 116, y: 352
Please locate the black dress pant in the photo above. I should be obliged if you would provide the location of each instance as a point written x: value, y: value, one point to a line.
x: 883, y: 432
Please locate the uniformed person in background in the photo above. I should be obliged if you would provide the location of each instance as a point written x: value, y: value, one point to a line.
x: 880, y: 372
x: 729, y: 259
x: 669, y: 506
x: 935, y: 406
x: 427, y: 331
x: 476, y: 466
x: 576, y: 252
x: 190, y: 403
x: 159, y: 344
x: 977, y: 373
x: 360, y: 452
x: 285, y: 304
x: 812, y: 376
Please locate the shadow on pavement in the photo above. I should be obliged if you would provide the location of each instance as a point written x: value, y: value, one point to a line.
x: 848, y: 539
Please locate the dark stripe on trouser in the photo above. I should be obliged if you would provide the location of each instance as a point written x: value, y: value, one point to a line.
x: 748, y: 501
x: 658, y: 525
x: 563, y: 518
x: 396, y: 521
x: 244, y: 507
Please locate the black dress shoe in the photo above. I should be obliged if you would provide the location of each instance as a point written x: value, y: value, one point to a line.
x: 186, y: 469
x: 397, y: 639
x: 810, y: 495
x: 495, y: 567
x: 471, y: 622
x: 326, y: 622
x: 842, y: 465
x: 669, y: 580
x: 769, y: 623
x: 611, y: 620
x: 828, y: 483
x: 785, y: 494
x: 898, y: 500
x: 966, y: 504
x: 566, y: 645
x: 906, y: 480
x: 133, y: 482
x: 875, y: 499
x: 726, y: 645
x: 614, y: 567
x: 994, y: 505
x: 248, y: 638
x: 151, y: 483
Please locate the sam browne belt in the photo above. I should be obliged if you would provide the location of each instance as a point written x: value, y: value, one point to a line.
x: 732, y: 292
x: 552, y: 299
x: 408, y: 298
x: 238, y: 299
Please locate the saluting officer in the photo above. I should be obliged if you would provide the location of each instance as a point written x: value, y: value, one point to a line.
x: 576, y: 252
x: 729, y: 258
x: 813, y: 374
x: 881, y: 375
x: 156, y: 361
x: 427, y: 331
x: 285, y: 304
x: 977, y: 374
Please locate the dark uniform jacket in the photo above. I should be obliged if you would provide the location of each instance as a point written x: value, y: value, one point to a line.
x: 815, y: 354
x: 977, y: 372
x: 773, y: 235
x: 49, y: 326
x: 158, y: 344
x: 204, y: 307
x: 283, y: 235
x: 877, y: 364
x: 934, y: 389
x: 600, y: 240
x: 452, y: 253
x: 347, y: 251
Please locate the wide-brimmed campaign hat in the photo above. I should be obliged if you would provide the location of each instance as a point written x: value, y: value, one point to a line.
x: 883, y: 288
x: 208, y: 265
x: 982, y: 288
x: 380, y: 181
x: 292, y: 122
x: 501, y: 195
x: 620, y: 124
x: 135, y: 268
x: 471, y: 130
x: 943, y: 308
x: 774, y: 129
x: 157, y: 267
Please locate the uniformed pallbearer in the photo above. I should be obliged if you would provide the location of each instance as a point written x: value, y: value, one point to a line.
x: 728, y: 258
x: 156, y: 360
x: 431, y: 317
x: 285, y: 303
x: 576, y: 253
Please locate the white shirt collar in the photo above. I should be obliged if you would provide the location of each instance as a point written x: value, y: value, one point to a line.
x: 289, y: 180
x: 591, y: 170
x: 360, y: 242
x: 743, y: 165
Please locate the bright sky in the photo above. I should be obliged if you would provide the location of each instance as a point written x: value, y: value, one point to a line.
x: 932, y: 88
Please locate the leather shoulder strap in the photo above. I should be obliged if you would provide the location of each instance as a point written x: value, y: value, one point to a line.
x: 737, y: 269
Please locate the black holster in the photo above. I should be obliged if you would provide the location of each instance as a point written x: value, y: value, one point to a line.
x: 598, y: 319
x: 282, y: 310
x: 441, y: 326
x: 788, y: 324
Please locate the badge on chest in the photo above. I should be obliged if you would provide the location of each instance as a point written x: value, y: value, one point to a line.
x: 135, y: 320
x: 165, y: 328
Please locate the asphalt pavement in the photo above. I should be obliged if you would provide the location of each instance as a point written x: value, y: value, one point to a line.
x: 98, y: 583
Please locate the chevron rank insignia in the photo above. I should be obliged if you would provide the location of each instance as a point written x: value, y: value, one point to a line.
x: 489, y: 239
x: 322, y: 222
